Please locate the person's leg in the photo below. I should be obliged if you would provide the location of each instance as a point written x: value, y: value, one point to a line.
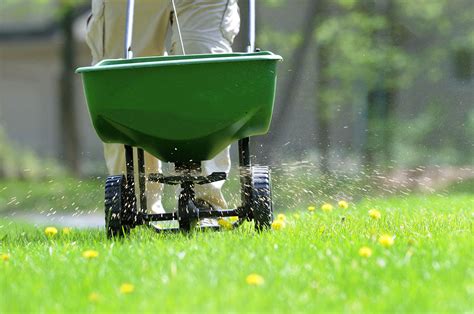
x: 208, y: 27
x: 105, y: 37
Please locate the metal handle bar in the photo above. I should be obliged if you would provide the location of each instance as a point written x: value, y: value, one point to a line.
x: 251, y: 33
x: 128, y: 54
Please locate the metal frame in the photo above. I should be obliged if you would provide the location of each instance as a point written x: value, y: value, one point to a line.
x: 187, y: 212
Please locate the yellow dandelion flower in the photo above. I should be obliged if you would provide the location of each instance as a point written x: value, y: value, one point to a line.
x: 281, y: 217
x: 224, y: 223
x: 311, y: 208
x: 94, y: 297
x: 386, y: 240
x: 66, y: 230
x: 233, y: 219
x: 343, y: 204
x: 278, y: 224
x: 365, y: 251
x: 126, y: 288
x: 50, y: 231
x: 375, y: 214
x: 255, y: 280
x: 90, y: 254
x: 326, y: 207
x: 5, y: 257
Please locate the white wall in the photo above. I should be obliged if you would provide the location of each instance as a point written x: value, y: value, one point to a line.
x: 29, y: 74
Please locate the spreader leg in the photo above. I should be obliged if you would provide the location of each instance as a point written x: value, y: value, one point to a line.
x: 141, y: 180
x: 188, y: 213
x: 244, y: 152
x: 129, y: 164
x: 245, y: 180
x: 130, y: 198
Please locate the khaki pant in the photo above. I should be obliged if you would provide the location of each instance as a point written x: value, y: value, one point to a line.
x: 207, y: 26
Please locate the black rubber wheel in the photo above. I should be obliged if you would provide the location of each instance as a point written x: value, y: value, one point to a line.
x: 261, y: 200
x: 118, y: 207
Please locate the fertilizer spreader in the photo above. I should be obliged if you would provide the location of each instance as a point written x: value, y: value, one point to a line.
x: 183, y: 110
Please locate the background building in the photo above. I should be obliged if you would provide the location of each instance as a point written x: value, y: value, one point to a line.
x: 426, y: 119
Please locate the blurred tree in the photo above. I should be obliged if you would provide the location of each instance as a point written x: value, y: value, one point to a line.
x: 68, y: 11
x: 294, y: 47
x: 299, y: 49
x: 67, y: 112
x: 323, y: 106
x: 356, y: 38
x: 383, y: 46
x: 381, y: 97
x: 64, y: 13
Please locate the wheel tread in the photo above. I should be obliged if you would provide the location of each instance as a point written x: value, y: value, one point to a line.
x: 114, y: 206
x: 261, y: 197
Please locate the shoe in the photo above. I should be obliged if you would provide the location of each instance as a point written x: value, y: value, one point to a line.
x: 157, y: 208
x: 208, y: 222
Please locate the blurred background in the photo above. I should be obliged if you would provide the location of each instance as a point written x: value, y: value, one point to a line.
x: 368, y: 87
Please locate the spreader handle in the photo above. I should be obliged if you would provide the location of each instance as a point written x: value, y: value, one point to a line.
x: 128, y: 54
x: 251, y: 33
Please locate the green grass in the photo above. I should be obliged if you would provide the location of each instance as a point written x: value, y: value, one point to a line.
x: 49, y: 195
x: 312, y: 265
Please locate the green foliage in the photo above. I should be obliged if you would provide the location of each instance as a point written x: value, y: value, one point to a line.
x: 268, y: 38
x: 31, y: 11
x: 369, y: 45
x: 347, y: 4
x: 274, y: 3
x: 428, y: 129
x: 390, y: 45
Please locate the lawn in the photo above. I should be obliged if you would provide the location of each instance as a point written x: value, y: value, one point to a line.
x: 312, y: 265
